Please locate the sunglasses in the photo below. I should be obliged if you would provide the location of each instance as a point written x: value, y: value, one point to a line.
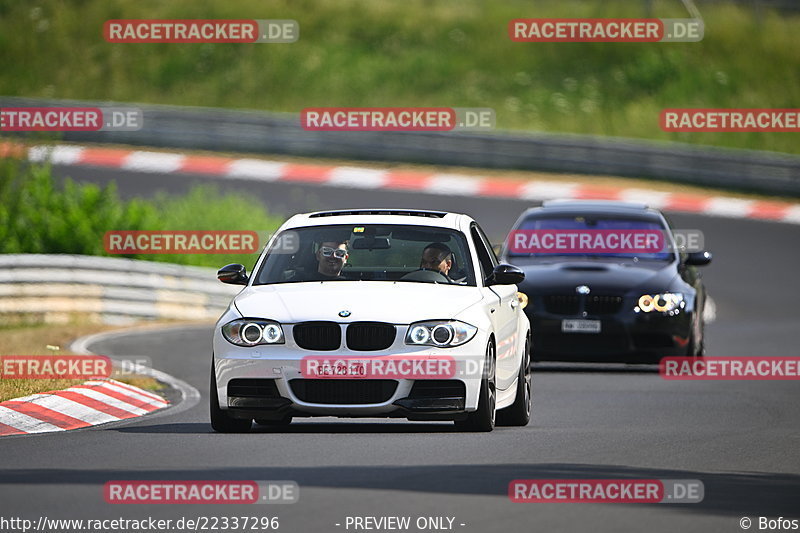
x: 338, y: 253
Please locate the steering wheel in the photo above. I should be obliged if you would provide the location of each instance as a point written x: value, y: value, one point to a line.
x: 426, y: 274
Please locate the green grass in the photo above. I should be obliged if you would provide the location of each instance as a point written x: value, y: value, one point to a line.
x: 20, y: 336
x: 37, y: 216
x: 420, y: 53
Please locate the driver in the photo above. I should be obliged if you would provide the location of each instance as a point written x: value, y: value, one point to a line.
x: 437, y: 256
x: 331, y: 258
x: 435, y: 266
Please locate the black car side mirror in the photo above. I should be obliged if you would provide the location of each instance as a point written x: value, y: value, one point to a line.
x: 698, y: 258
x: 234, y: 274
x: 504, y: 274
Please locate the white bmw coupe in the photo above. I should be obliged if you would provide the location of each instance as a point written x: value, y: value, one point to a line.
x: 373, y: 313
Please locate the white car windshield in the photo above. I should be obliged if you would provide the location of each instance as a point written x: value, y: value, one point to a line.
x: 368, y: 252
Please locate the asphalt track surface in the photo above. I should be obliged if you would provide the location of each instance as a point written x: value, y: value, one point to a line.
x: 741, y: 439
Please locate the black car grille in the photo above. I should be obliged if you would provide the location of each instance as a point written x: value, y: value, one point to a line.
x: 343, y: 391
x: 322, y: 336
x: 253, y: 388
x: 370, y: 336
x: 559, y: 304
x: 603, y: 305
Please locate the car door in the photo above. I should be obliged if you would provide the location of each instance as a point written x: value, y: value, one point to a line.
x: 503, y: 311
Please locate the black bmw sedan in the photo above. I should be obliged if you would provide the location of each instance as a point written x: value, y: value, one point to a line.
x: 607, y: 282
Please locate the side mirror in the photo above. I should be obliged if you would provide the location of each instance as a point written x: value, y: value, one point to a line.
x: 698, y: 258
x: 504, y: 274
x: 234, y: 274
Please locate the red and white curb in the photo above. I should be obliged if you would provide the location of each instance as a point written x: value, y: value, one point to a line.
x: 91, y: 403
x: 400, y: 180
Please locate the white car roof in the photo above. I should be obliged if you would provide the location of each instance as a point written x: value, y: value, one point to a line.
x: 415, y: 217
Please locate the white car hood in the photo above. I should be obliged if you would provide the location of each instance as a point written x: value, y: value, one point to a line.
x: 381, y: 301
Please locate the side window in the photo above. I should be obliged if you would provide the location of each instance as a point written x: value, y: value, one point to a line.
x: 488, y: 245
x: 681, y: 252
x: 485, y: 255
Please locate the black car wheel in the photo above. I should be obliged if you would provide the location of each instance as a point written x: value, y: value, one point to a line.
x: 697, y: 348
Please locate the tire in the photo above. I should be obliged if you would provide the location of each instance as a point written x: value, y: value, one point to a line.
x: 519, y: 412
x: 694, y: 349
x: 701, y: 349
x: 282, y: 422
x: 483, y: 419
x: 220, y: 421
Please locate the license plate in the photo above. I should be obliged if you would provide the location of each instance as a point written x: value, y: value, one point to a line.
x: 580, y: 326
x: 341, y: 369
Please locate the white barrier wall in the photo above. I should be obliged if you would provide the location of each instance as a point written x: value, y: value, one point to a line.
x: 110, y: 289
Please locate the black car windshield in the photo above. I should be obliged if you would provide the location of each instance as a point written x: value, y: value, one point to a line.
x: 368, y: 252
x: 582, y: 236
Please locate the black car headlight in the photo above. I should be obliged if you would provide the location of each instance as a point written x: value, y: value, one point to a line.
x: 665, y: 302
x: 252, y: 332
x: 440, y: 333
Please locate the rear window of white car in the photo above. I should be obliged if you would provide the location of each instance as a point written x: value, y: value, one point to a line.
x: 374, y: 252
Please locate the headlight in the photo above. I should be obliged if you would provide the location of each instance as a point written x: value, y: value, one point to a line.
x: 440, y: 333
x: 252, y: 332
x: 666, y: 302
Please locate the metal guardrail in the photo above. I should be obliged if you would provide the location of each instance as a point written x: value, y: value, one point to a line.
x: 274, y: 133
x: 109, y: 288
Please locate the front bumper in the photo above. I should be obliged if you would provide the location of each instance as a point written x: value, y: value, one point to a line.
x: 267, y: 382
x: 625, y: 337
x: 434, y: 400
